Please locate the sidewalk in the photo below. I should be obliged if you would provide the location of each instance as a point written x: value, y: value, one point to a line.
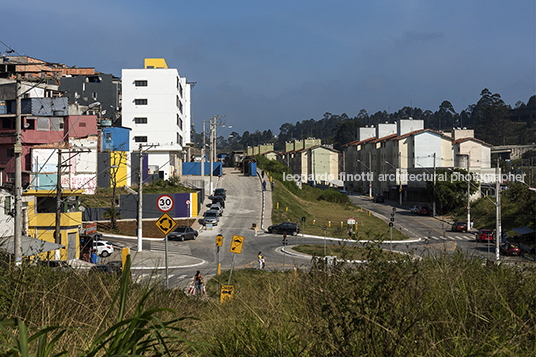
x: 147, y: 259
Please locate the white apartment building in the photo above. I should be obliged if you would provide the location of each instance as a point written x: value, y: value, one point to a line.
x: 156, y: 107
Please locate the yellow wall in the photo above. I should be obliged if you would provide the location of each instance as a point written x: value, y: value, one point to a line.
x: 119, y: 158
x: 43, y: 225
x: 155, y: 63
x: 194, y: 202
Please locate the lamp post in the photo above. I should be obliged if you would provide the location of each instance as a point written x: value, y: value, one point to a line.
x: 369, y: 176
x: 398, y: 178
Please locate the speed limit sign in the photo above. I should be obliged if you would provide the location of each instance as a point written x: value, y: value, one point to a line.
x: 165, y: 203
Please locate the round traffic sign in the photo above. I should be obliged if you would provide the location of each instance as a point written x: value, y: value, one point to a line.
x: 188, y: 202
x: 165, y: 203
x: 303, y: 219
x: 324, y: 227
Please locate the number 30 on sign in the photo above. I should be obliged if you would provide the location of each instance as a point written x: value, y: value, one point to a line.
x: 165, y: 203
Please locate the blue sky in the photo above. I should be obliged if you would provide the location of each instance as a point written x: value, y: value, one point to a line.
x: 265, y: 63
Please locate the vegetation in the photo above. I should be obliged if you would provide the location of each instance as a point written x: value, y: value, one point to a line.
x: 442, y: 306
x: 494, y: 122
x: 322, y: 207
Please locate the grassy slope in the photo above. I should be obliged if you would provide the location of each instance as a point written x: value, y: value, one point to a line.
x: 321, y: 212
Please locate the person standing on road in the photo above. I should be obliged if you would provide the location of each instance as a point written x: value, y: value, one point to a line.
x: 199, y: 282
x: 264, y: 185
x: 260, y: 259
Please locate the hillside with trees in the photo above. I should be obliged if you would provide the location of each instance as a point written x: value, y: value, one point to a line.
x: 493, y: 120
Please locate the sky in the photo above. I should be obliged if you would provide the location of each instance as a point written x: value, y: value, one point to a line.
x: 265, y: 63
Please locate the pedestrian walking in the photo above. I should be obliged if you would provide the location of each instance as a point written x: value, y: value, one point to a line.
x: 260, y: 260
x: 273, y: 185
x: 199, y: 283
x: 264, y: 185
x: 350, y: 232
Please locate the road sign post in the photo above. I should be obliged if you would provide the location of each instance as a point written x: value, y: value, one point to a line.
x: 219, y: 243
x: 188, y: 211
x: 236, y: 248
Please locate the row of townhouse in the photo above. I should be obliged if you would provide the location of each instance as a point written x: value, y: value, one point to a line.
x: 397, y: 159
x: 309, y: 160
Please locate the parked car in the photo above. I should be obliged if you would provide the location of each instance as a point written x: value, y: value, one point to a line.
x: 114, y: 267
x: 415, y: 209
x: 211, y: 216
x: 378, y: 199
x: 484, y: 235
x: 510, y: 249
x: 103, y: 248
x: 182, y: 233
x: 459, y: 226
x: 289, y: 227
x: 217, y: 206
x: 219, y: 199
x: 424, y: 211
x: 220, y: 192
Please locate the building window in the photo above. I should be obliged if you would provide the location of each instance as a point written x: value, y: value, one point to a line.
x: 179, y: 122
x: 82, y: 125
x: 140, y: 139
x: 11, y: 177
x: 140, y: 83
x: 7, y: 123
x: 179, y: 139
x: 140, y: 120
x: 140, y: 101
x: 10, y: 152
x: 7, y: 205
x: 30, y: 124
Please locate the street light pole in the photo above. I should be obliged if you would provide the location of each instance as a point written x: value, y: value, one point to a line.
x: 18, y: 175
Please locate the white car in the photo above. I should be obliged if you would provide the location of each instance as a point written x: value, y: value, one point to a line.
x: 103, y: 248
x: 217, y: 207
x: 415, y: 209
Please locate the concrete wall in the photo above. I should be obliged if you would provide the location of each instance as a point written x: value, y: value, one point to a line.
x: 405, y: 126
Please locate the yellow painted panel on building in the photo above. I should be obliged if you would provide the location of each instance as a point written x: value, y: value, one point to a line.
x: 155, y: 63
x: 194, y: 202
x: 119, y: 159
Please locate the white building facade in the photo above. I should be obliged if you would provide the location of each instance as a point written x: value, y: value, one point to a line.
x: 156, y: 107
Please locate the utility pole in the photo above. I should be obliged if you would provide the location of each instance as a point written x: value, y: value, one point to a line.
x: 203, y: 160
x: 433, y: 203
x: 370, y: 174
x: 57, y: 232
x: 468, y: 192
x: 140, y: 195
x: 18, y: 175
x: 498, y: 211
x: 211, y: 140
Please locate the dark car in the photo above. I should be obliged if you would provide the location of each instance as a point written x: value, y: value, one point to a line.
x: 289, y: 227
x: 378, y: 198
x: 459, y: 226
x: 423, y: 211
x: 484, y: 235
x: 220, y: 192
x: 219, y: 199
x: 114, y: 267
x: 510, y: 249
x: 182, y: 233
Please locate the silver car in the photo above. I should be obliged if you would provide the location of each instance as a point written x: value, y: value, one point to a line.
x: 217, y: 207
x: 211, y: 216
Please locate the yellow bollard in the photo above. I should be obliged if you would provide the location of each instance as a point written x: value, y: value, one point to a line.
x: 341, y: 224
x: 124, y: 253
x: 287, y: 209
x: 329, y: 224
x: 219, y: 268
x: 314, y: 222
x: 277, y: 205
x: 369, y: 213
x: 295, y: 273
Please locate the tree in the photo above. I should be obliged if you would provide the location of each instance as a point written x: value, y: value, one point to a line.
x: 490, y: 116
x: 450, y: 189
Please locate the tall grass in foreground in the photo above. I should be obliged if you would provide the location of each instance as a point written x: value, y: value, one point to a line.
x: 66, y: 313
x: 441, y: 306
x: 446, y: 306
